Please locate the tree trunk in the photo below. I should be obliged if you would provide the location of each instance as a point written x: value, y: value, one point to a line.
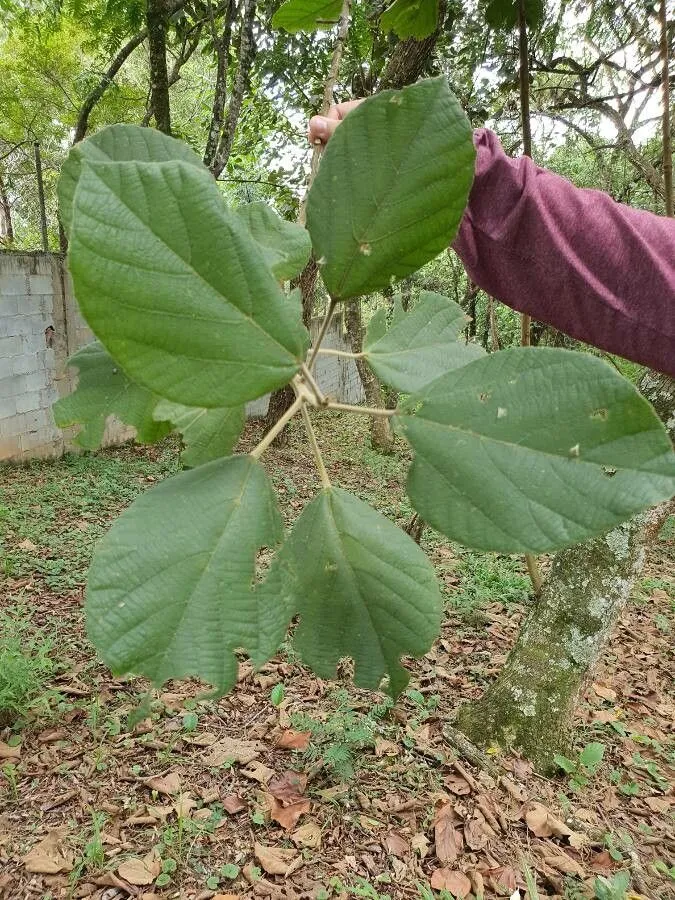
x: 6, y: 227
x: 247, y: 51
x: 530, y: 706
x: 381, y: 435
x: 666, y: 136
x: 156, y: 20
x: 410, y: 58
x: 222, y: 47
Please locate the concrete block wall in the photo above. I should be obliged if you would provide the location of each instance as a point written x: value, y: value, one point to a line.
x: 41, y: 326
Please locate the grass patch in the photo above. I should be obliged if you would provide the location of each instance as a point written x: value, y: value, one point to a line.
x: 26, y: 665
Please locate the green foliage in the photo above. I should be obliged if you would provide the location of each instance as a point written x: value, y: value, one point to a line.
x: 200, y: 314
x: 583, y: 768
x: 380, y: 219
x: 285, y: 246
x: 613, y: 888
x: 526, y: 451
x: 207, y: 433
x: 384, y: 600
x: 410, y: 18
x: 186, y: 602
x: 306, y: 15
x: 102, y: 389
x: 503, y: 14
x: 26, y: 665
x: 420, y: 346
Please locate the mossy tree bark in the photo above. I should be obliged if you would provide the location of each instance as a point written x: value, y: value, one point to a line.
x: 530, y: 706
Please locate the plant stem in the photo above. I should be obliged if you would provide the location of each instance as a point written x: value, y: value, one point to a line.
x: 364, y: 410
x: 525, y: 320
x: 316, y: 450
x: 534, y: 573
x: 330, y: 352
x: 322, y: 333
x: 258, y: 451
x: 311, y: 381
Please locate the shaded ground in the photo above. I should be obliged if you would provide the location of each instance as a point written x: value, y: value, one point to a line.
x: 199, y: 799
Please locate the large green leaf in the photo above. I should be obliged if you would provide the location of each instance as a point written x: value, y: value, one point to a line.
x: 207, y: 433
x: 117, y: 143
x: 391, y: 189
x: 411, y: 18
x: 175, y: 287
x: 531, y: 450
x: 362, y: 588
x: 307, y: 15
x: 285, y: 246
x: 170, y: 590
x: 503, y: 14
x: 104, y: 390
x: 421, y: 346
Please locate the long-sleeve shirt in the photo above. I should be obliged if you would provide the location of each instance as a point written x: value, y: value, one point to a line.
x: 598, y: 270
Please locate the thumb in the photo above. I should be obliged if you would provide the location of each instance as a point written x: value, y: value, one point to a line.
x: 321, y: 129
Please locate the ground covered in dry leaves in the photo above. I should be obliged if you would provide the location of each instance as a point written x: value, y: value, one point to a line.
x: 292, y: 787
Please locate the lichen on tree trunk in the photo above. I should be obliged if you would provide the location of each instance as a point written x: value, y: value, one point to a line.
x: 530, y: 706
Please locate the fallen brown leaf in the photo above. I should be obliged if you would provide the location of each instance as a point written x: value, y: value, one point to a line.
x: 386, y: 748
x: 233, y: 804
x: 287, y: 815
x: 49, y: 856
x: 294, y: 740
x: 502, y: 879
x: 458, y: 785
x: 420, y: 844
x: 308, y: 835
x: 226, y: 897
x: 396, y: 844
x: 475, y: 832
x: 256, y: 771
x: 229, y: 750
x: 565, y: 864
x: 140, y: 871
x: 7, y: 752
x: 449, y: 840
x: 604, y: 692
x: 289, y: 787
x: 542, y: 823
x: 451, y: 880
x: 183, y: 805
x: 26, y: 545
x: 164, y: 784
x: 274, y: 860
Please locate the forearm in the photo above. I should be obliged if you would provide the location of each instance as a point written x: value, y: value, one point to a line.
x: 599, y: 271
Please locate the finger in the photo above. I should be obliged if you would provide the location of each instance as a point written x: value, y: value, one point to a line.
x: 321, y: 129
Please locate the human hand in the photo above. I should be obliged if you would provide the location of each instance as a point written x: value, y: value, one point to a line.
x: 321, y: 128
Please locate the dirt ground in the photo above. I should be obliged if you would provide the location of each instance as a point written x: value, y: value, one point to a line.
x: 292, y: 787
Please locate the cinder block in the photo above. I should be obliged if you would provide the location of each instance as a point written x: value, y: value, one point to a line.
x: 12, y: 386
x: 9, y: 306
x: 37, y: 381
x: 6, y: 363
x: 8, y: 407
x: 29, y: 362
x: 13, y: 426
x: 40, y: 284
x: 35, y: 420
x: 11, y: 346
x: 13, y: 284
x: 11, y: 326
x: 28, y: 402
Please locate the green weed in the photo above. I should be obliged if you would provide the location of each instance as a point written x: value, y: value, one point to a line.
x: 26, y: 665
x: 581, y: 770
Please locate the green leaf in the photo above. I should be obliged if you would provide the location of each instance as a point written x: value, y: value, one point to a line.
x: 285, y: 246
x: 529, y: 450
x: 503, y: 14
x: 117, y: 143
x: 307, y: 15
x: 411, y: 18
x: 207, y: 433
x: 104, y: 390
x: 391, y: 189
x: 591, y: 756
x: 567, y: 765
x: 422, y: 345
x: 175, y: 287
x: 167, y: 601
x: 365, y: 590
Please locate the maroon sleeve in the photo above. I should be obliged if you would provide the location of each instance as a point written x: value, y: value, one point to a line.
x: 598, y: 270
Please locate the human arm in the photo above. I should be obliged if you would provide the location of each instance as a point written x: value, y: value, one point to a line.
x: 602, y: 272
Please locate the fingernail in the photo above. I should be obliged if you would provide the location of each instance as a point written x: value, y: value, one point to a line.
x: 320, y: 127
